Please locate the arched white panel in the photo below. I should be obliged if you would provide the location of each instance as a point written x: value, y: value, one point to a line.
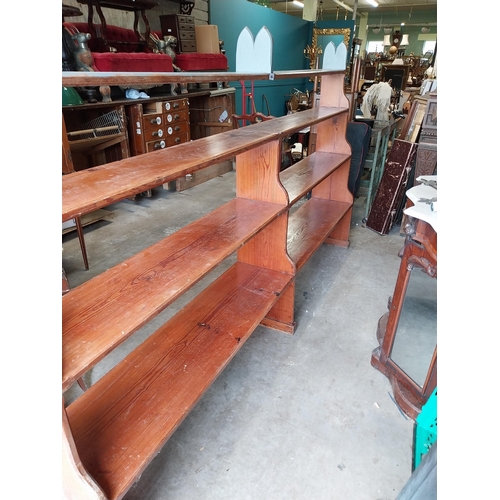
x: 254, y: 56
x: 335, y: 59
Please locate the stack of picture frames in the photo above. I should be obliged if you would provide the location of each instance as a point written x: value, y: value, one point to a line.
x: 399, y: 169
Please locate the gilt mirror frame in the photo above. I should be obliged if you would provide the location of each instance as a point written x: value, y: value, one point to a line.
x: 317, y: 32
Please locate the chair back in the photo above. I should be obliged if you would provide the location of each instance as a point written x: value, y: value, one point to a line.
x: 250, y: 119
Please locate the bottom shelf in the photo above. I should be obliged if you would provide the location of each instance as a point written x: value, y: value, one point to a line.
x: 310, y: 225
x: 120, y: 423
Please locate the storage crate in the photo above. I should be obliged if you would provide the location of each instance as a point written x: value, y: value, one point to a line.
x: 425, y: 431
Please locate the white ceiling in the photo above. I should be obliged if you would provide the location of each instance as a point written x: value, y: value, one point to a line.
x: 330, y: 7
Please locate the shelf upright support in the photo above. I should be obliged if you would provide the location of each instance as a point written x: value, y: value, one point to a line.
x: 331, y: 138
x: 257, y: 178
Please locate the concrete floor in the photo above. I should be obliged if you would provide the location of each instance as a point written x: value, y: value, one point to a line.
x: 301, y: 416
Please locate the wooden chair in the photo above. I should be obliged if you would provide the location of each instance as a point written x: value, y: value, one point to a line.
x: 287, y: 158
x: 67, y: 168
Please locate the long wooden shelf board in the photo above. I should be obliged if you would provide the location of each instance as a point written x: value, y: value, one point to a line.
x: 84, y: 144
x: 310, y: 225
x: 98, y: 187
x: 302, y: 176
x: 96, y: 78
x: 104, y: 311
x: 121, y: 423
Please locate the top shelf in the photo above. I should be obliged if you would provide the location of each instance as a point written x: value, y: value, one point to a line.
x: 97, y: 187
x: 97, y: 78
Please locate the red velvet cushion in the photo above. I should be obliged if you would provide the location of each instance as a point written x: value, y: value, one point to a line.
x: 116, y: 61
x: 194, y: 61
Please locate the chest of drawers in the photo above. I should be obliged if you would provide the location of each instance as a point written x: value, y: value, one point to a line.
x: 158, y: 125
x: 182, y: 27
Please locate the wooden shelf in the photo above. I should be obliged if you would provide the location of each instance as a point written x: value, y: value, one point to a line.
x: 97, y: 187
x: 119, y: 428
x: 98, y: 78
x: 88, y: 144
x: 113, y: 431
x: 310, y: 225
x: 114, y: 305
x: 302, y: 176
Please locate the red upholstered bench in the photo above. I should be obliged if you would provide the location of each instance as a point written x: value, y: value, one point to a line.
x: 137, y: 61
x: 195, y: 61
x: 126, y: 58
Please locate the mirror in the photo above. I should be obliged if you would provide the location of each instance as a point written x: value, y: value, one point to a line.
x: 416, y: 334
x: 407, y: 333
x: 322, y: 36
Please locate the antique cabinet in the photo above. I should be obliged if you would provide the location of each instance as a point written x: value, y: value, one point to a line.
x: 157, y: 125
x: 96, y: 133
x: 182, y: 27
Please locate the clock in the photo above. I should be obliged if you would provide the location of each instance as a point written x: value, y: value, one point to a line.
x: 396, y: 38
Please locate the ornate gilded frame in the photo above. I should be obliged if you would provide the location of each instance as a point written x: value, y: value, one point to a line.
x: 317, y: 32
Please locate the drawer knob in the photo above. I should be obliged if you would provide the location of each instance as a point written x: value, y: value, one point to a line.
x: 177, y: 140
x: 156, y: 120
x: 158, y: 133
x: 159, y: 145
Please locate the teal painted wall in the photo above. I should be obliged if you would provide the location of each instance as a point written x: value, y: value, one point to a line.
x: 288, y: 33
x: 290, y: 37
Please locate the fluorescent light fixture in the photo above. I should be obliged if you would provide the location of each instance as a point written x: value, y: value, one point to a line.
x: 298, y: 3
x: 343, y: 5
x: 372, y: 2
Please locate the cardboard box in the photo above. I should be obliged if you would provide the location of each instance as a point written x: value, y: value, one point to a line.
x: 207, y: 39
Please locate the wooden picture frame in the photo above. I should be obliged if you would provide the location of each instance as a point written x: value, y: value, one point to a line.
x: 394, y: 72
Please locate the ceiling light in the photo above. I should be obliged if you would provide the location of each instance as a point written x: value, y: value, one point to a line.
x: 343, y: 5
x: 372, y: 2
x: 425, y: 29
x: 298, y: 3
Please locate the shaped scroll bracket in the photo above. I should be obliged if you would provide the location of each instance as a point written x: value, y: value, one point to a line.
x: 254, y: 55
x: 335, y: 59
